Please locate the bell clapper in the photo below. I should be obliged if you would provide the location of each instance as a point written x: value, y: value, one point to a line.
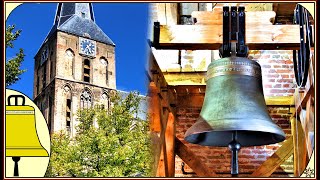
x: 16, y: 168
x: 234, y: 147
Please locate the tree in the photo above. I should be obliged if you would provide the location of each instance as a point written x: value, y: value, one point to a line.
x: 112, y: 143
x: 13, y: 70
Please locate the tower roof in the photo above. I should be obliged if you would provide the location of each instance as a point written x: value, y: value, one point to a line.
x: 78, y: 19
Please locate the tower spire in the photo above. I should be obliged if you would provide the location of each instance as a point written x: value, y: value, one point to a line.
x: 67, y: 10
x: 78, y: 19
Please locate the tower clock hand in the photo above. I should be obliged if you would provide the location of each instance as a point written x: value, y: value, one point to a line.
x: 89, y: 49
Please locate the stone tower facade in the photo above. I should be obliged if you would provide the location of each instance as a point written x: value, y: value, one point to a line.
x: 74, y: 67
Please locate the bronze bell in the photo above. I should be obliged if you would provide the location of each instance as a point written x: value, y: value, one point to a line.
x: 234, y: 105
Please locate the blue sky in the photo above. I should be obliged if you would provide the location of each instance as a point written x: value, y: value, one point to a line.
x: 125, y: 23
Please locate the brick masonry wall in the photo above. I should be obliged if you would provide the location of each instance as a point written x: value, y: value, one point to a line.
x: 277, y: 71
x: 278, y: 80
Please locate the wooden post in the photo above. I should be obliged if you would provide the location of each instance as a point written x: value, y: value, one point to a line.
x: 154, y: 108
x: 169, y: 141
x: 172, y: 13
x: 156, y: 150
x: 167, y: 13
x: 299, y: 146
x: 162, y: 167
x: 155, y: 123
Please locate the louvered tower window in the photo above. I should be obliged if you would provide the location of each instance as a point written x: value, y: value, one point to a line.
x: 86, y: 70
x: 68, y: 107
x: 68, y: 114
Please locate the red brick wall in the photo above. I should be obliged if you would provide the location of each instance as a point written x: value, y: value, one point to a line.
x: 277, y: 71
x: 278, y: 80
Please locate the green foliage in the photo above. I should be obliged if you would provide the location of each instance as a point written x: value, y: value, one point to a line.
x: 13, y: 70
x: 112, y: 143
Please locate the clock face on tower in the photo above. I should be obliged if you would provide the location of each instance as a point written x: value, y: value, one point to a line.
x: 87, y: 47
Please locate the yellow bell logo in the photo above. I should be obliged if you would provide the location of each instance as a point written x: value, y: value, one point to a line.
x: 21, y: 134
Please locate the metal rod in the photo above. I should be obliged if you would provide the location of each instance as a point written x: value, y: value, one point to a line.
x: 242, y: 49
x: 234, y: 147
x: 16, y: 168
x: 234, y: 23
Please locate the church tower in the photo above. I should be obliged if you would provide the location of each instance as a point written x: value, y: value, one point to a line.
x: 74, y: 67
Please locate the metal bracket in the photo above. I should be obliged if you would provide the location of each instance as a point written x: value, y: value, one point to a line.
x: 156, y: 34
x: 233, y: 32
x: 225, y: 49
x: 242, y: 49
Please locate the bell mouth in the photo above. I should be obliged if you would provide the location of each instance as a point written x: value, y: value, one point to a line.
x: 203, y: 133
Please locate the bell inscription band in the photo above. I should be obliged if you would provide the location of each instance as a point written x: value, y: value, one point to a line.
x: 21, y: 134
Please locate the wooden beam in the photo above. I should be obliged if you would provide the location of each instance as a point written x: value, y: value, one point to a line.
x: 170, y: 142
x: 300, y: 147
x: 162, y: 167
x: 302, y: 95
x: 161, y: 121
x: 308, y: 126
x: 302, y: 98
x: 259, y: 7
x: 274, y: 161
x: 215, y: 17
x: 154, y: 108
x: 155, y: 75
x: 192, y: 160
x: 156, y: 151
x: 185, y: 78
x: 167, y: 13
x: 155, y: 127
x: 172, y: 13
x: 161, y: 13
x: 202, y: 37
x: 279, y: 100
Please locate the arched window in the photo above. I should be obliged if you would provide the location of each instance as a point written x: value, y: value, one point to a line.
x: 86, y: 70
x: 85, y: 99
x: 105, y: 100
x: 69, y: 63
x: 67, y: 91
x: 104, y: 61
x: 69, y: 53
